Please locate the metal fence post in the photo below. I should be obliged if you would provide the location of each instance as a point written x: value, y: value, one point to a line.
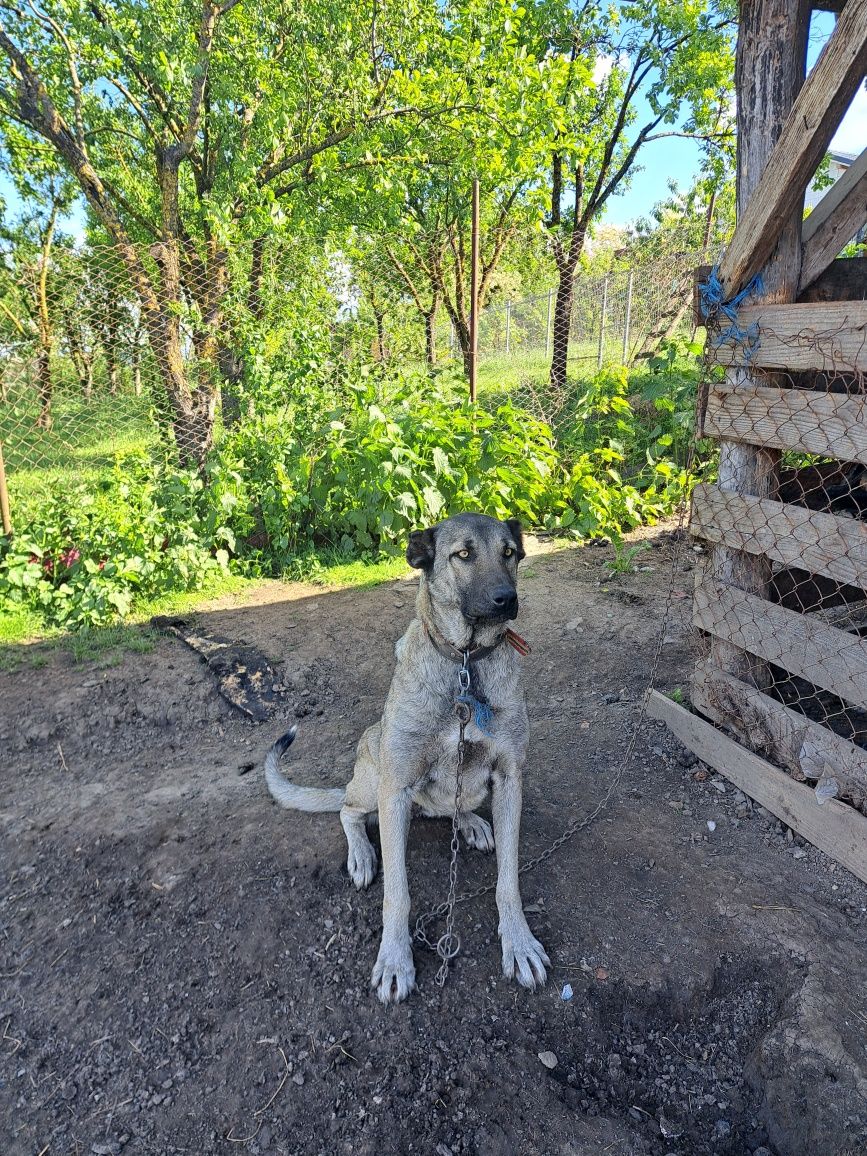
x: 602, y: 320
x: 508, y: 324
x: 4, y: 498
x: 474, y: 295
x: 548, y: 325
x: 628, y: 318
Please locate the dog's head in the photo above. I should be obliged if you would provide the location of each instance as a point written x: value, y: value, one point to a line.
x: 470, y: 564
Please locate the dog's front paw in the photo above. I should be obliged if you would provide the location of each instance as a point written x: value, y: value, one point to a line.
x: 394, y: 972
x: 361, y: 864
x: 476, y: 831
x: 524, y: 957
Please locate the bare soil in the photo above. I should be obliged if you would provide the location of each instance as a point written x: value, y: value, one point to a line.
x: 184, y: 967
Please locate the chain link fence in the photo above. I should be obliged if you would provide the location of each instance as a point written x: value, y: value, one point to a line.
x: 781, y: 605
x: 108, y: 351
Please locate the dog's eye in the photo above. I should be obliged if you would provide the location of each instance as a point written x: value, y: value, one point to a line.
x: 508, y: 552
x: 463, y: 554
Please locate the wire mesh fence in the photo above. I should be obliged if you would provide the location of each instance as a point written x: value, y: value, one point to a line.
x: 781, y: 605
x: 127, y: 350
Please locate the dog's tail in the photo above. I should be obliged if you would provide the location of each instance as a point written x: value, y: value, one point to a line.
x: 289, y: 794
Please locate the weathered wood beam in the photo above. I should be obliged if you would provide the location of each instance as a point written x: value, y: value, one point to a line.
x: 830, y: 424
x: 834, y: 221
x: 791, y: 535
x: 830, y: 336
x: 834, y: 828
x: 769, y: 70
x: 804, y: 747
x: 827, y: 5
x: 824, y: 655
x: 806, y: 134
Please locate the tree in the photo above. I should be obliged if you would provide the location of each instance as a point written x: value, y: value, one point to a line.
x: 623, y: 79
x: 187, y: 128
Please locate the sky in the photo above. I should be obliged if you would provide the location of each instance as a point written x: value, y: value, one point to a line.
x: 679, y: 159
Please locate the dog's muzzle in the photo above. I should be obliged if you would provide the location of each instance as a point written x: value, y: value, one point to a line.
x: 501, y: 607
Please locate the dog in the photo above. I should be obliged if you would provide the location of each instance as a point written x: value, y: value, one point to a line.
x: 467, y: 596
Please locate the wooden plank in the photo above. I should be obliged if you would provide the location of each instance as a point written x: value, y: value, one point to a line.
x: 834, y: 828
x: 830, y: 424
x: 769, y: 728
x: 844, y: 279
x: 806, y: 134
x: 834, y: 221
x: 830, y: 336
x: 825, y: 656
x: 793, y: 535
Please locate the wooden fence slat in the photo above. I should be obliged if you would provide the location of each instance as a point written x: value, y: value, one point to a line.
x: 792, y: 535
x: 844, y: 279
x: 805, y: 137
x: 830, y: 424
x: 834, y: 221
x: 827, y: 335
x: 835, y: 828
x: 786, y: 737
x: 825, y: 656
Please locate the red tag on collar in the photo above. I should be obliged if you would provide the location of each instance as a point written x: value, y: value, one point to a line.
x: 517, y: 642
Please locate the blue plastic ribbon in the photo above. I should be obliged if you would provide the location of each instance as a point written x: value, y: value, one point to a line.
x: 713, y: 308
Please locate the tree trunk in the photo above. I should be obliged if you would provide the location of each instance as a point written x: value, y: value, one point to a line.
x: 430, y: 333
x: 769, y: 72
x: 560, y: 330
x: 44, y: 380
x: 231, y: 366
x: 44, y: 388
x: 379, y: 352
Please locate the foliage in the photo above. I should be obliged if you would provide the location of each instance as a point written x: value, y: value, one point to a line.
x: 347, y: 477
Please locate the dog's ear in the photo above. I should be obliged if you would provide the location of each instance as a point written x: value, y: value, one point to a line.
x: 518, y: 534
x: 421, y: 549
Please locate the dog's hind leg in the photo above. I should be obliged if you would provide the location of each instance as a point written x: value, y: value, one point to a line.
x: 476, y: 831
x: 361, y: 858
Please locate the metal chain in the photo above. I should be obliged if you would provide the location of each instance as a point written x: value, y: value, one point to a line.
x: 449, y: 942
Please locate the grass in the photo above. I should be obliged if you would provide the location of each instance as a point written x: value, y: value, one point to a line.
x: 26, y: 642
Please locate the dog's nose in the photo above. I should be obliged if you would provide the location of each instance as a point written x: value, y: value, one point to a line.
x: 505, y: 600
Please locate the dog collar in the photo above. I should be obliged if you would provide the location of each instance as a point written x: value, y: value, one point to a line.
x: 455, y: 654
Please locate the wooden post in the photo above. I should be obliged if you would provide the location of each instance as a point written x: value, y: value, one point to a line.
x: 4, y: 498
x: 600, y: 356
x: 474, y: 296
x: 548, y: 324
x: 769, y: 72
x: 628, y: 318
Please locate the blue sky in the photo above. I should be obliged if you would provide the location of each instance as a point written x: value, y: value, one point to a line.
x: 679, y: 159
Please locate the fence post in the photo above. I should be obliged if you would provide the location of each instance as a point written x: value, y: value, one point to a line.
x: 4, y: 498
x: 474, y: 295
x: 548, y: 325
x: 508, y: 324
x: 628, y: 319
x: 602, y: 320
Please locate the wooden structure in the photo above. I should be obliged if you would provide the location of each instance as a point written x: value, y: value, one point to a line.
x: 782, y: 599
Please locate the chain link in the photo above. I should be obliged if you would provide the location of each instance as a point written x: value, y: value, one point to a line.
x: 448, y: 945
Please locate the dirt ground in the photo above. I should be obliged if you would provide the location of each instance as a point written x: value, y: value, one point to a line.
x: 185, y: 966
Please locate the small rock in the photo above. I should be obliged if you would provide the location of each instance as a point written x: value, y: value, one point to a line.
x: 298, y: 1079
x: 711, y: 825
x: 722, y: 1128
x: 549, y: 1059
x: 799, y: 853
x: 574, y: 624
x: 566, y: 993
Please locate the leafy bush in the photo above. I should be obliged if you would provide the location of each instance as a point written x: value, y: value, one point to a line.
x: 348, y: 461
x: 87, y: 555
